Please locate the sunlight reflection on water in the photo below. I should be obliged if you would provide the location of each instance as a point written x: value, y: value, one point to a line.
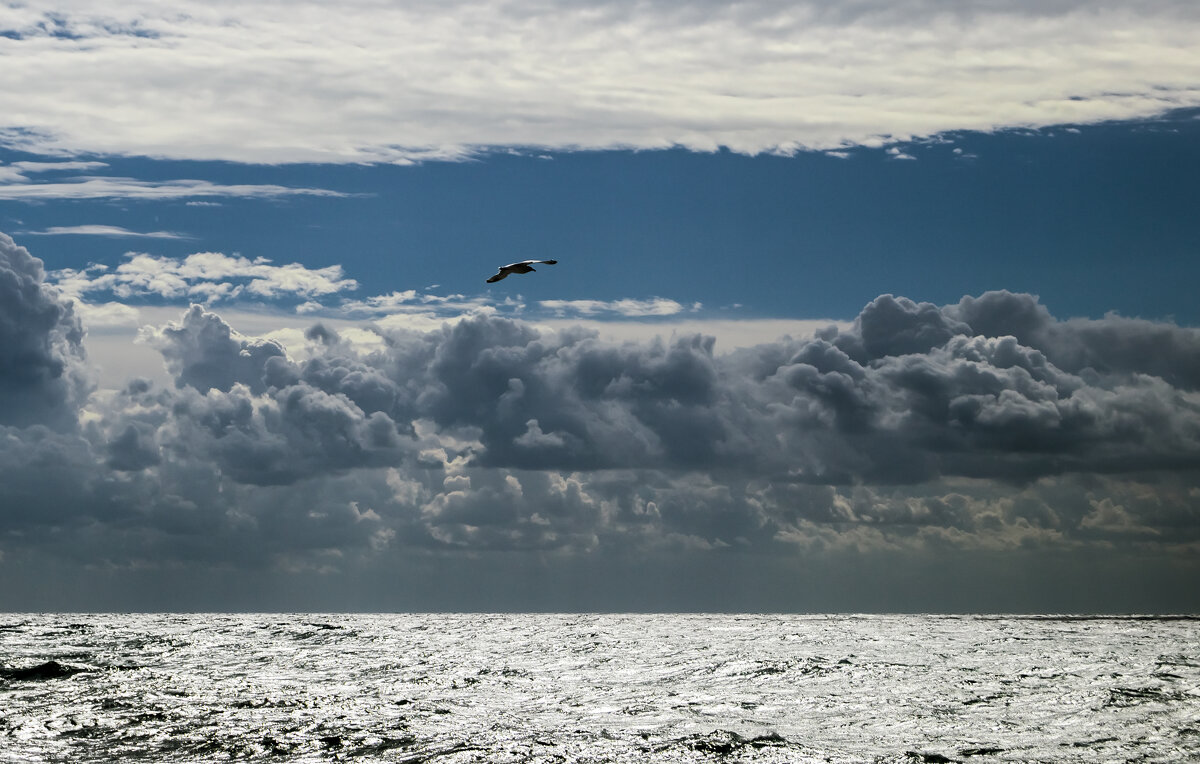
x: 555, y: 688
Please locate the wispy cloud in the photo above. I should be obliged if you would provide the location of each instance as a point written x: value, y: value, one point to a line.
x: 364, y: 81
x: 412, y: 301
x: 403, y: 308
x: 20, y: 171
x: 630, y: 308
x: 105, y: 230
x: 19, y: 188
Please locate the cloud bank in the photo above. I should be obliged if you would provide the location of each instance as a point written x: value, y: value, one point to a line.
x: 364, y: 81
x: 983, y: 426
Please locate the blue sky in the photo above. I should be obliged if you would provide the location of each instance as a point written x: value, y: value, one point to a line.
x: 1093, y: 218
x: 842, y: 289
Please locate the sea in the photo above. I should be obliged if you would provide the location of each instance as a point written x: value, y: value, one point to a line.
x: 453, y: 688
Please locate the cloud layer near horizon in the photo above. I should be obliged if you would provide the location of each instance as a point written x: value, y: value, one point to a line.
x: 987, y: 424
x: 364, y: 81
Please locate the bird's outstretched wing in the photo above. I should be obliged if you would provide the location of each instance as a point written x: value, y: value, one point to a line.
x: 525, y: 266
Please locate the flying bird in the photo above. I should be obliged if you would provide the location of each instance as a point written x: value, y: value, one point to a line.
x: 525, y: 266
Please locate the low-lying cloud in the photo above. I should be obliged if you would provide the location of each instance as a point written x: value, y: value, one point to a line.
x: 987, y: 424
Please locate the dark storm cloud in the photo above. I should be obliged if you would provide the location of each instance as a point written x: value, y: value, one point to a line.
x: 574, y: 402
x: 202, y: 352
x: 910, y: 393
x: 1114, y: 345
x: 995, y: 387
x: 43, y: 377
x: 294, y: 433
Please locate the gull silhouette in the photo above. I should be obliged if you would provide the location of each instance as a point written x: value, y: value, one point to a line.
x: 525, y: 266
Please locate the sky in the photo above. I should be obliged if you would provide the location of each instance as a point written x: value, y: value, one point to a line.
x: 872, y: 306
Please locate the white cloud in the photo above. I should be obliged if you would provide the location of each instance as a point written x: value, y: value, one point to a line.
x: 213, y: 277
x: 203, y: 276
x: 104, y: 230
x: 19, y: 171
x: 426, y: 321
x: 57, y: 166
x: 17, y: 187
x: 365, y: 81
x: 107, y: 316
x: 630, y: 308
x: 423, y: 310
x: 418, y: 311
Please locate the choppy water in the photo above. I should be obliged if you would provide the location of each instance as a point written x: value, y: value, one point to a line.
x: 597, y: 688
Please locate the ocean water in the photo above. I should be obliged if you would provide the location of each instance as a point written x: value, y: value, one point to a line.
x: 598, y: 688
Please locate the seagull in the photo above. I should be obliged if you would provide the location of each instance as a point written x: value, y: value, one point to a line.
x: 525, y: 266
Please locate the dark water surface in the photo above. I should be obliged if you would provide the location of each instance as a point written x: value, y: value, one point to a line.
x: 598, y: 688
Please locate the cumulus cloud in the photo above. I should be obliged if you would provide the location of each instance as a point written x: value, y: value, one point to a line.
x: 203, y: 352
x: 987, y: 425
x: 911, y: 393
x: 288, y: 82
x: 43, y: 373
